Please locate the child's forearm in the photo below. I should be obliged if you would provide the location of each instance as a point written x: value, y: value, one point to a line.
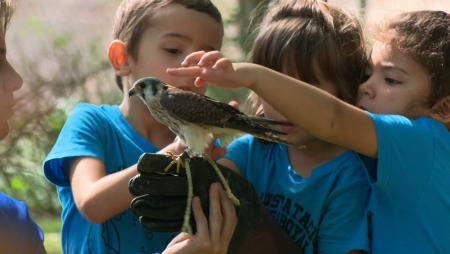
x: 99, y: 197
x: 311, y: 108
x: 305, y: 106
x: 113, y: 196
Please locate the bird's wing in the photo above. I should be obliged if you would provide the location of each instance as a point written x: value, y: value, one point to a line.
x: 196, y: 108
x: 202, y: 110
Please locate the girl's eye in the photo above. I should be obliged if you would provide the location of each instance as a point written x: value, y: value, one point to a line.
x: 173, y: 50
x: 392, y: 81
x: 366, y: 75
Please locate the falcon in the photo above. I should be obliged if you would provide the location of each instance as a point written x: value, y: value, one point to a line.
x: 195, y: 118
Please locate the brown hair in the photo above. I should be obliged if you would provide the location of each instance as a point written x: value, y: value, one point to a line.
x: 133, y: 17
x: 425, y: 36
x: 6, y: 11
x: 297, y: 35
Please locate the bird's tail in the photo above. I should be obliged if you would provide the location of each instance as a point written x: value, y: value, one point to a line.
x: 267, y: 121
x: 260, y: 128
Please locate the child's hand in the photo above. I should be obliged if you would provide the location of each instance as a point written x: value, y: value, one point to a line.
x: 175, y: 148
x: 210, y: 67
x: 212, y: 238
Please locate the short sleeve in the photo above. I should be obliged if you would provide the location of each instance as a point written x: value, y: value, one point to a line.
x: 344, y: 224
x: 405, y: 147
x: 83, y: 134
x: 238, y: 152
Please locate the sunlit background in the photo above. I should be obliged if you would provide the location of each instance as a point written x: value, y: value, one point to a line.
x: 59, y: 47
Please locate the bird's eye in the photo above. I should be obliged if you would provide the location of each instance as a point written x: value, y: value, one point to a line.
x: 142, y: 85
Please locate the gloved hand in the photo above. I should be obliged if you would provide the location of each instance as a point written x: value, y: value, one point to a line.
x: 161, y: 196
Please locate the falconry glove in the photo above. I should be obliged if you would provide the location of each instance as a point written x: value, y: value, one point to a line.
x: 160, y: 201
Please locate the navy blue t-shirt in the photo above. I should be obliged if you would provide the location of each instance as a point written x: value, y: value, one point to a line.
x: 18, y: 232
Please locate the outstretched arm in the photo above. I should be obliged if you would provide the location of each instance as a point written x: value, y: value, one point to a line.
x: 306, y: 106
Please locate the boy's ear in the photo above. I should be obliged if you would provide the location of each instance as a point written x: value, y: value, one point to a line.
x: 118, y: 57
x: 441, y: 110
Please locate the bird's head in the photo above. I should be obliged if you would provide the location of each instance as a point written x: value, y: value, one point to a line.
x: 148, y: 88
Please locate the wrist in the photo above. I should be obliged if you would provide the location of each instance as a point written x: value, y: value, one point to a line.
x: 247, y: 73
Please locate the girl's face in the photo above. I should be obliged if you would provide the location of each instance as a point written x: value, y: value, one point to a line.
x: 296, y: 135
x: 10, y: 81
x: 174, y: 33
x: 396, y: 84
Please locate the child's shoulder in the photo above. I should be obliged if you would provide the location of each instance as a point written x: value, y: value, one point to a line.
x: 400, y: 121
x: 401, y: 126
x: 347, y: 165
x: 87, y: 108
x: 347, y: 159
x: 86, y: 113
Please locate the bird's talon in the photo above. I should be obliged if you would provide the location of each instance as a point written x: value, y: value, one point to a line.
x: 176, y: 159
x: 233, y: 198
x: 167, y: 168
x: 225, y: 185
x: 187, y: 213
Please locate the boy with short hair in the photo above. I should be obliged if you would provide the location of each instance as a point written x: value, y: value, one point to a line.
x: 96, y: 151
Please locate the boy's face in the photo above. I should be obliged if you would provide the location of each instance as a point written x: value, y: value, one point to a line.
x: 396, y: 85
x: 175, y: 32
x: 10, y: 81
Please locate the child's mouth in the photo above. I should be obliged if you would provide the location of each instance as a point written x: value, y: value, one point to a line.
x: 288, y: 129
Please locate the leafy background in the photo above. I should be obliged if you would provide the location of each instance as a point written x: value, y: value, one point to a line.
x: 59, y: 47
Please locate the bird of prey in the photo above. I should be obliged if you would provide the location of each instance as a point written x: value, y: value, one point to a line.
x: 195, y: 118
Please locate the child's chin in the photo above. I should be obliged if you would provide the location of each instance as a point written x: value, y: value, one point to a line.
x: 299, y: 138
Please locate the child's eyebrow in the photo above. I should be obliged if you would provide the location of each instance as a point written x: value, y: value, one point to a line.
x: 178, y: 35
x: 387, y: 67
x: 187, y: 38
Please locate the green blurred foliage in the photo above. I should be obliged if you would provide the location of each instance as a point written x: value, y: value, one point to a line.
x: 56, y: 76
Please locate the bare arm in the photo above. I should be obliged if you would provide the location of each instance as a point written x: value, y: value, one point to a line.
x: 306, y: 106
x: 99, y: 197
x: 315, y: 110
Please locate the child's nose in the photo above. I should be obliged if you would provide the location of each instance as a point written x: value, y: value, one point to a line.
x: 366, y: 89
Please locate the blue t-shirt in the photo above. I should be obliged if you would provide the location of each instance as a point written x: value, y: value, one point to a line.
x: 410, y: 203
x: 18, y: 232
x: 326, y: 212
x: 103, y: 133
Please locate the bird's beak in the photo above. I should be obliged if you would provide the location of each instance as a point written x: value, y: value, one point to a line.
x: 134, y: 90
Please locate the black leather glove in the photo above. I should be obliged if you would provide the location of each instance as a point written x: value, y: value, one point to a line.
x: 161, y: 196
